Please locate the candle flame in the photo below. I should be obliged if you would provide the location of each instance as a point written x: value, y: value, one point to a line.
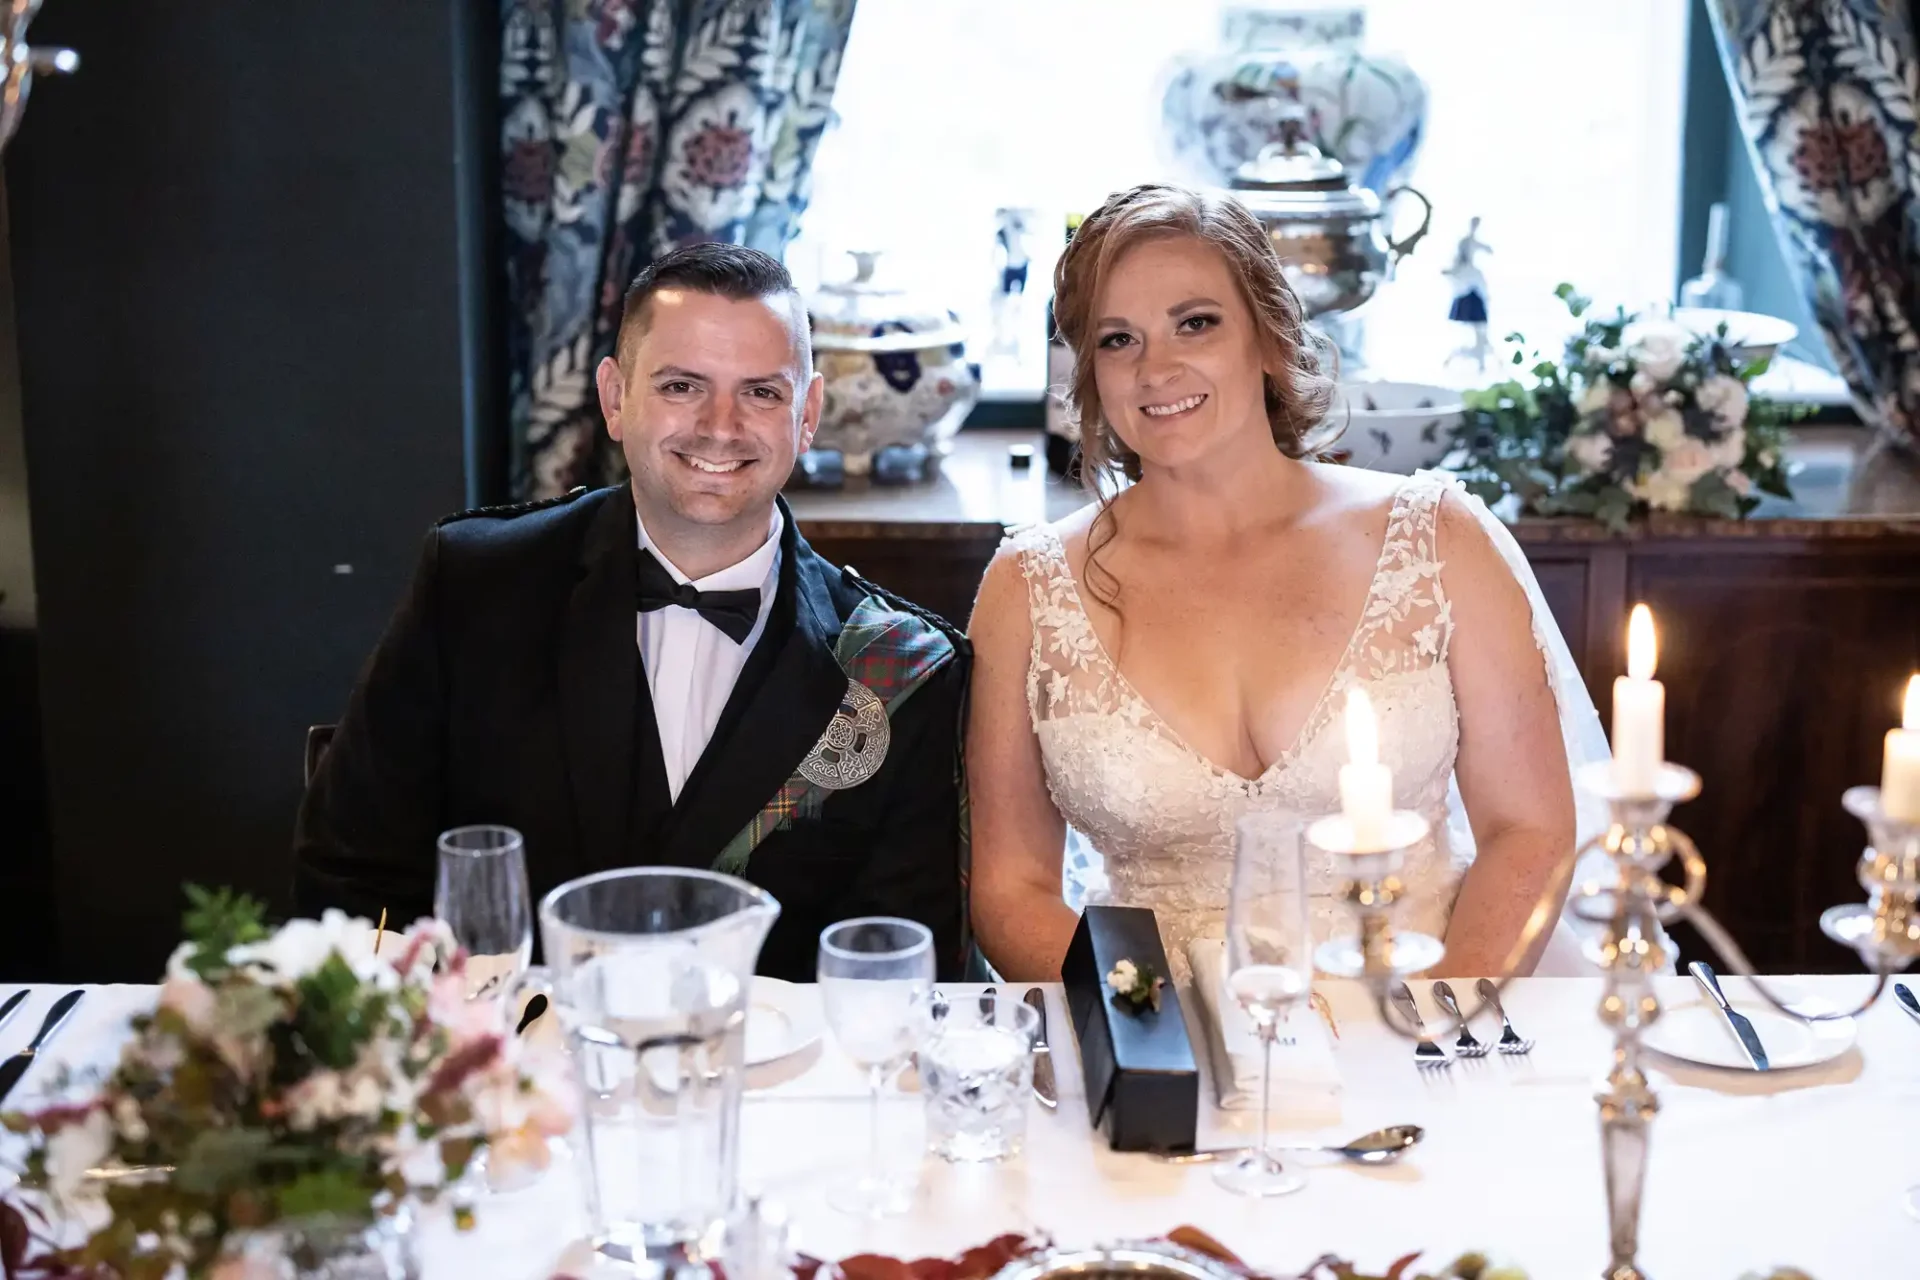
x: 1642, y: 651
x: 1910, y: 713
x: 1363, y: 734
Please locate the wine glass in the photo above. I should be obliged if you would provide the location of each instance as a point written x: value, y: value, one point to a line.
x: 481, y: 894
x: 1269, y: 968
x: 876, y: 979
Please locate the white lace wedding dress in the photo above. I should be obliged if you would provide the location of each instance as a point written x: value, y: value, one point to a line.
x: 1160, y: 816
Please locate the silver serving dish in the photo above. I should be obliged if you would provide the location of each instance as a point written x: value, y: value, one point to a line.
x: 1153, y: 1260
x: 1329, y: 232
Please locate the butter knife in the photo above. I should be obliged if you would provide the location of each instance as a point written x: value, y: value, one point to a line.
x: 1044, y: 1086
x: 1904, y: 995
x: 1742, y: 1028
x: 16, y: 1066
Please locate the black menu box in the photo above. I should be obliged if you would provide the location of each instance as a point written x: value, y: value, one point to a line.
x: 1142, y: 1084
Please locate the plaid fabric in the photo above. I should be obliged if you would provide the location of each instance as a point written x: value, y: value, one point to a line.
x: 891, y: 652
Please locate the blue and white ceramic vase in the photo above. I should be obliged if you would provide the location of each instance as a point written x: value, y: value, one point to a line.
x: 1367, y: 110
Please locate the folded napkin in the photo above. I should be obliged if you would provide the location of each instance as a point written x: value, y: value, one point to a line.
x: 1306, y: 1079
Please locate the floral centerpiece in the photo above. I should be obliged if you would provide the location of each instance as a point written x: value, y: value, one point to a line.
x: 292, y: 1088
x: 1639, y: 415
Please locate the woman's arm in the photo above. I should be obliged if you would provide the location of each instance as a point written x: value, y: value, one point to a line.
x: 1512, y: 766
x: 1019, y: 919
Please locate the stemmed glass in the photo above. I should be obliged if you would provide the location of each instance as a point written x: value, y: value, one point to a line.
x: 1269, y: 968
x: 876, y: 980
x: 481, y: 894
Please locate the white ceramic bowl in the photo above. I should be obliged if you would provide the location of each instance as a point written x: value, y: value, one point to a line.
x: 1396, y: 426
x: 1753, y: 336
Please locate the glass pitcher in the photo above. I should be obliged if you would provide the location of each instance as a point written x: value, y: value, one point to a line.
x: 648, y: 970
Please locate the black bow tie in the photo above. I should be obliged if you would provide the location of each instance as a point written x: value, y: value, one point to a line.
x: 733, y: 612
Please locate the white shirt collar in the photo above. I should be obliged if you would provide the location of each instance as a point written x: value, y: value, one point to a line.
x: 758, y: 570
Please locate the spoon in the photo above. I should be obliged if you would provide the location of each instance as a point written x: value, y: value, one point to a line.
x: 1382, y: 1146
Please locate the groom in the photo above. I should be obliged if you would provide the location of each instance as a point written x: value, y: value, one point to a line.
x: 662, y: 673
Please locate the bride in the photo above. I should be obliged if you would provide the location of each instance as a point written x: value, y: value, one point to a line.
x: 1178, y: 653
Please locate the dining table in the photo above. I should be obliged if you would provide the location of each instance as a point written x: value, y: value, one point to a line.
x: 1749, y: 1171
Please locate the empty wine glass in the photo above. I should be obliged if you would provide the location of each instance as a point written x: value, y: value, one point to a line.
x: 481, y: 895
x: 1269, y: 968
x: 876, y: 977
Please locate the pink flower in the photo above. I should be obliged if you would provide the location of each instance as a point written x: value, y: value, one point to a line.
x: 248, y: 1267
x: 191, y: 999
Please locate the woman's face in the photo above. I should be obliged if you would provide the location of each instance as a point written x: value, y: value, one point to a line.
x: 1177, y: 359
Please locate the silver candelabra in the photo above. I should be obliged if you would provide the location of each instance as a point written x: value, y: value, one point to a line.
x: 1884, y: 930
x: 22, y: 62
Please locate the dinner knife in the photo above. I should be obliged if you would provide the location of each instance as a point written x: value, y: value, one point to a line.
x: 1742, y: 1028
x: 16, y: 1066
x: 1044, y: 1086
x: 1904, y: 995
x: 12, y: 1006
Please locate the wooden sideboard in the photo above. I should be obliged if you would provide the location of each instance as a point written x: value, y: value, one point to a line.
x: 1785, y: 643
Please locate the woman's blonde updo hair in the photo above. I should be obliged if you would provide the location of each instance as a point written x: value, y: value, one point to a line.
x: 1298, y: 398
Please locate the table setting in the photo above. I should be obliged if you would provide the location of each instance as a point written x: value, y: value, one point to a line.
x: 339, y: 1098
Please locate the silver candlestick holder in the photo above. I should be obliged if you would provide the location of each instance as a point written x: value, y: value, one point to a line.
x: 1631, y: 948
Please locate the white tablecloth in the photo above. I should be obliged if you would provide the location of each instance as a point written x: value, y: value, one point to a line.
x: 1806, y: 1168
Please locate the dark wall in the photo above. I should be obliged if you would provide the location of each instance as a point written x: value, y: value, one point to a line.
x: 244, y: 251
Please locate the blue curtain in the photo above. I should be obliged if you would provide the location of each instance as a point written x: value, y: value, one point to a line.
x: 631, y: 127
x: 1826, y: 91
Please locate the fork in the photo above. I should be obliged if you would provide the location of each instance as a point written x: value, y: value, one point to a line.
x: 1466, y: 1046
x: 1510, y: 1041
x: 1426, y: 1053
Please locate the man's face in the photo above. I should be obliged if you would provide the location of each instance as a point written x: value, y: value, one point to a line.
x: 712, y: 407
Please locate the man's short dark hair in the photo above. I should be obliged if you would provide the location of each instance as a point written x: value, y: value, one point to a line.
x: 730, y: 271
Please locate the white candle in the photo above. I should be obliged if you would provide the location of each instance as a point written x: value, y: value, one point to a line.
x: 1900, y: 769
x: 1639, y: 710
x: 1366, y: 785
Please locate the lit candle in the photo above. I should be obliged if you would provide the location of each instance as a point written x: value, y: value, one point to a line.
x: 1900, y: 770
x: 1639, y: 711
x: 1366, y: 785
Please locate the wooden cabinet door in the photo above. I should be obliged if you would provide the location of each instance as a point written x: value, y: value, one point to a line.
x: 1784, y: 663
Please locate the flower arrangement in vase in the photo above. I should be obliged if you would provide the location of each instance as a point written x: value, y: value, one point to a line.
x: 296, y: 1090
x: 1639, y: 415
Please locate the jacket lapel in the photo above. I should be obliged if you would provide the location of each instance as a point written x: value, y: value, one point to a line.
x: 597, y: 683
x: 769, y: 726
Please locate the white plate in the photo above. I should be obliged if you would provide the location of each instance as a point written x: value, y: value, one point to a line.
x: 782, y: 1019
x: 1696, y: 1033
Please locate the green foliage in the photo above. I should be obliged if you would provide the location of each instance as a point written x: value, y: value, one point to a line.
x: 216, y: 921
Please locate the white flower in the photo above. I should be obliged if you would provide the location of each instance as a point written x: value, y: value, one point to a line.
x: 128, y: 1120
x: 1666, y: 430
x: 1593, y: 450
x: 1659, y: 348
x: 1687, y: 461
x: 77, y: 1148
x: 331, y: 1095
x: 1730, y: 450
x: 1601, y: 355
x: 299, y: 947
x: 1662, y: 491
x: 1124, y: 976
x: 1643, y: 384
x: 1598, y: 394
x: 1725, y: 398
x: 1769, y: 458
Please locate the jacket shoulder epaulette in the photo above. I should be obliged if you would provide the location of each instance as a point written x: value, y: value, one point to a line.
x: 507, y: 511
x: 900, y: 602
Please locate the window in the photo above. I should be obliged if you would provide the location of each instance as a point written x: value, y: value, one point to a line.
x: 1557, y: 123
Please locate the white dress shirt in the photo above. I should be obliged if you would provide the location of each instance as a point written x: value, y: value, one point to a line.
x: 691, y: 664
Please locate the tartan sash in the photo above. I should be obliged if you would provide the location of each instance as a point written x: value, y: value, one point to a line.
x: 891, y: 652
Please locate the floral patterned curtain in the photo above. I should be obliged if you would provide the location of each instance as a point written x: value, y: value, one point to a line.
x: 631, y: 127
x: 1827, y: 92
